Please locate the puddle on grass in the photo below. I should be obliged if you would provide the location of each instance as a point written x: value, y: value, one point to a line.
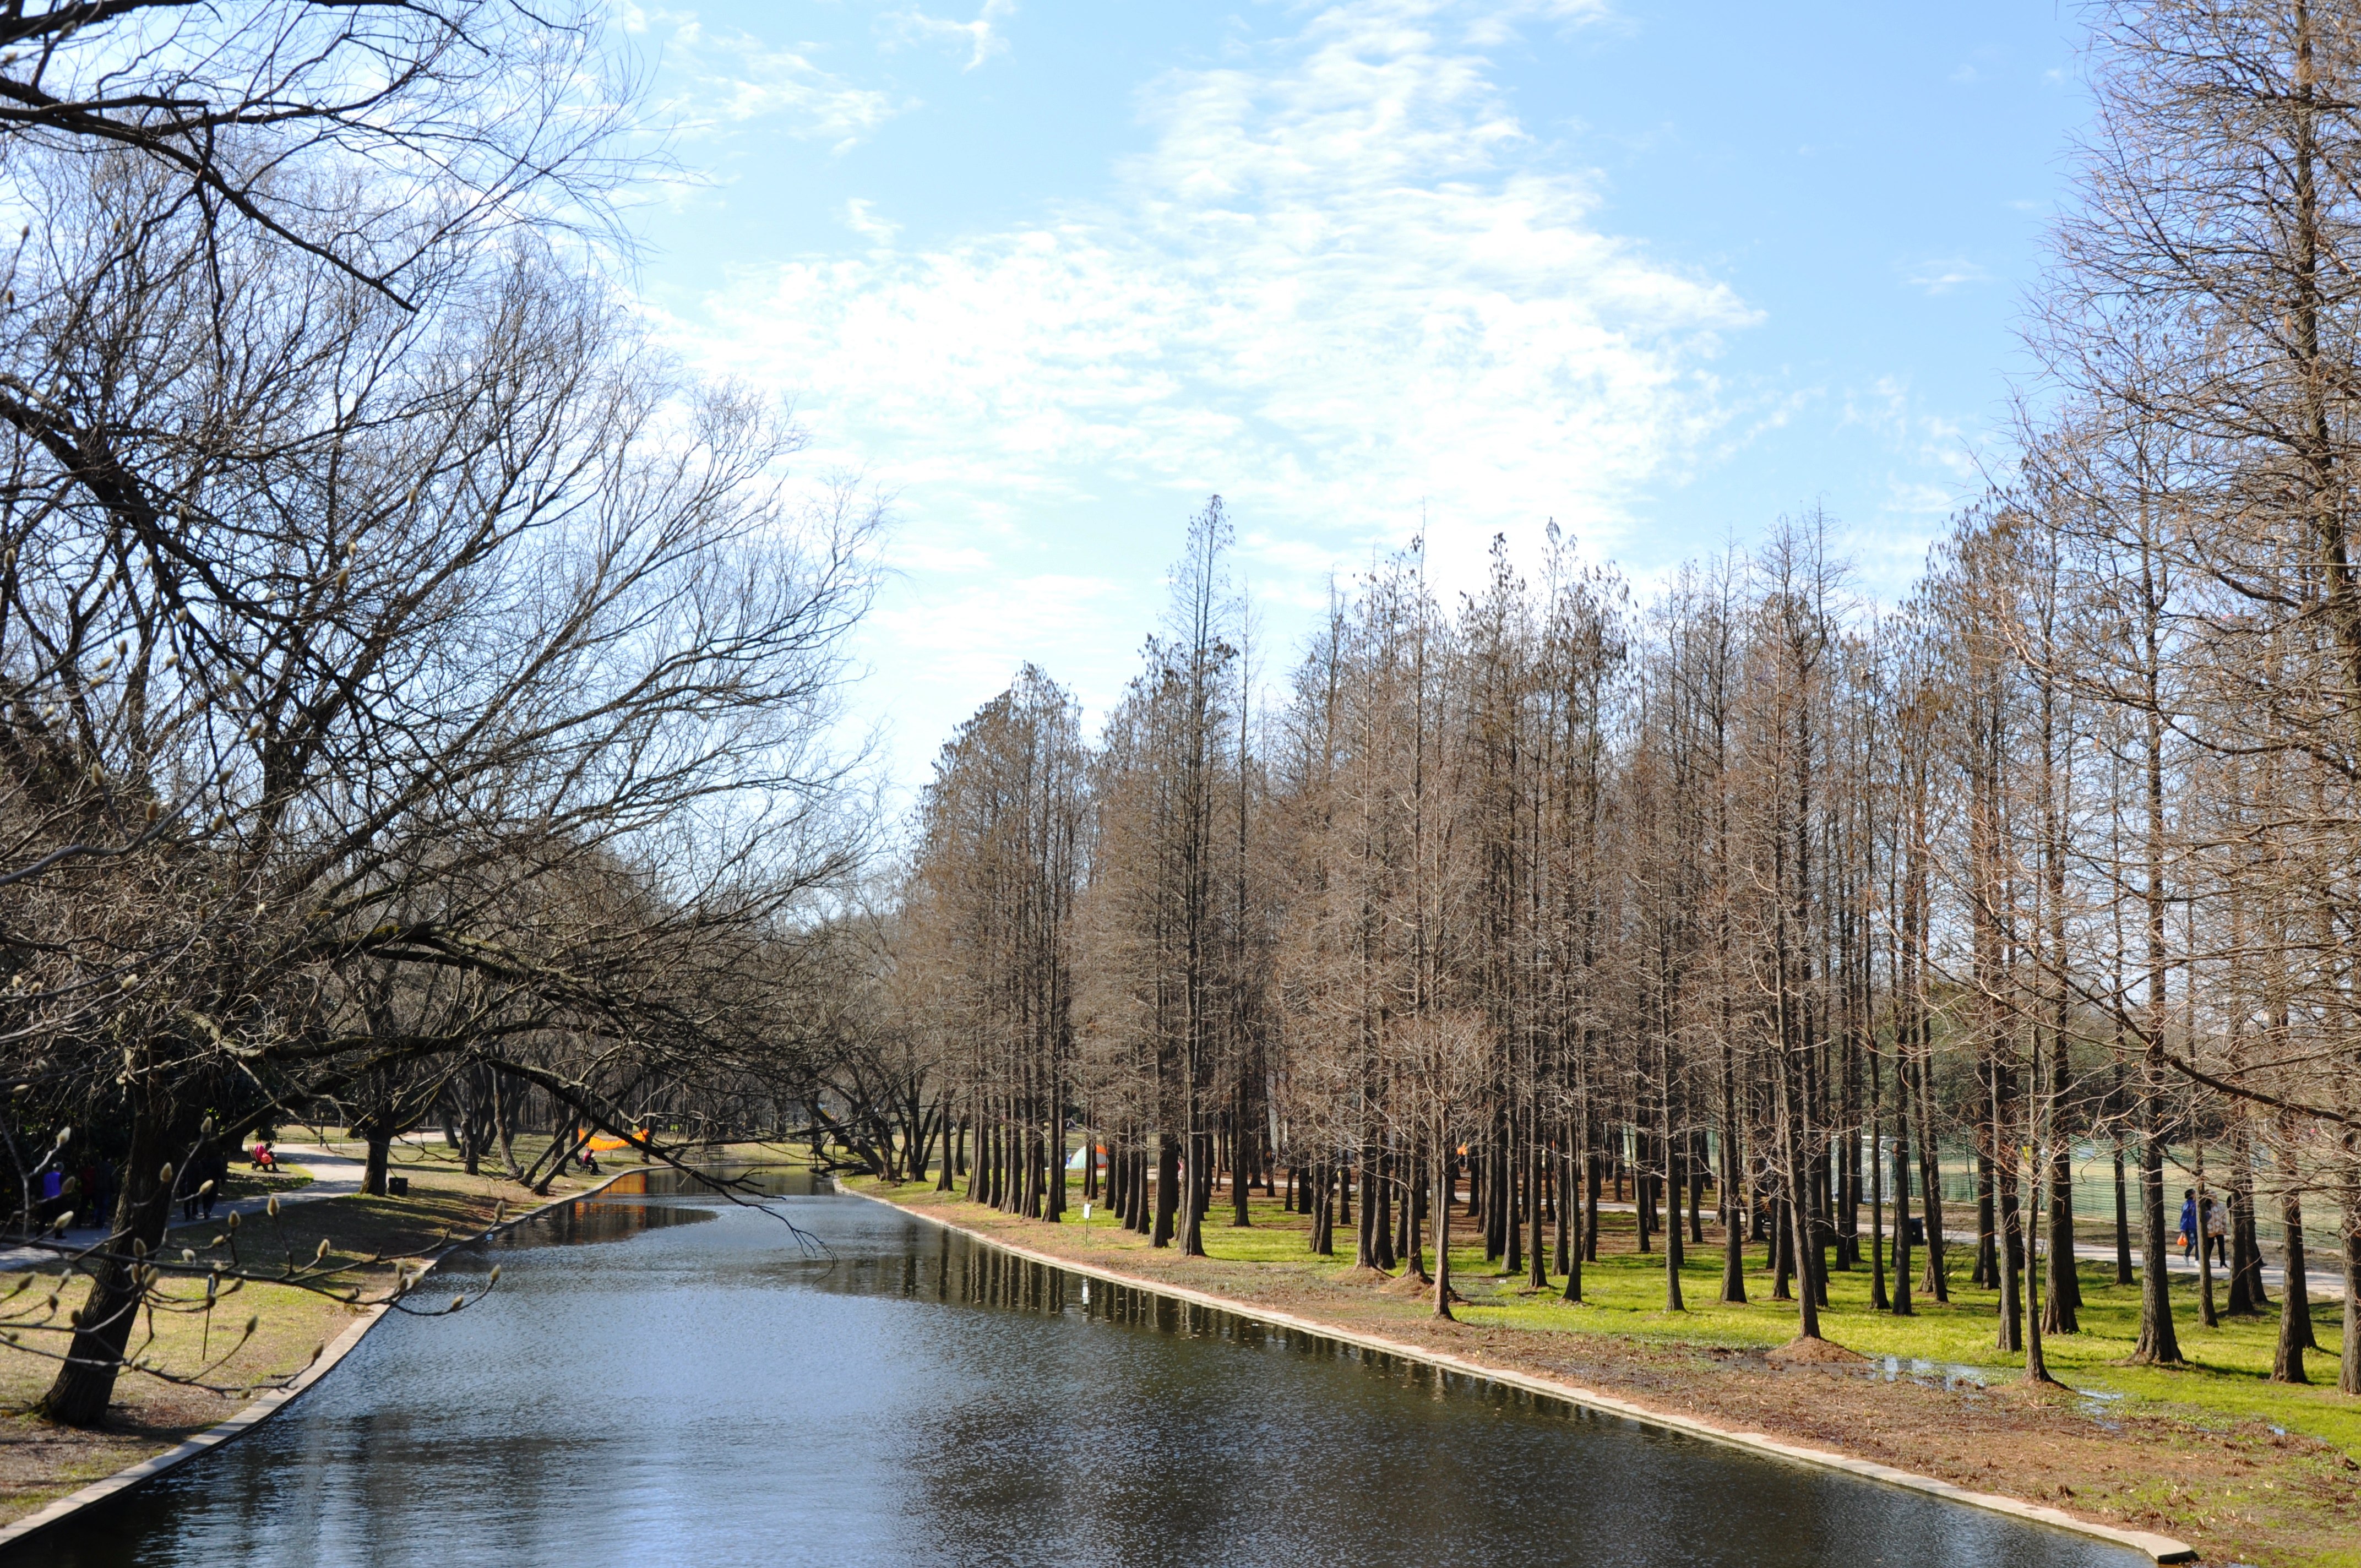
x: 1975, y: 1381
x: 1949, y: 1375
x: 2099, y: 1403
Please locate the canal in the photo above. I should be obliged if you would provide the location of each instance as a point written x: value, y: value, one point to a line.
x: 664, y: 1377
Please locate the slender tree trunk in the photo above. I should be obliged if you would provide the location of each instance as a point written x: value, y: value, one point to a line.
x: 1168, y: 1188
x: 2348, y: 1370
x: 1566, y: 1212
x: 2295, y: 1296
x: 2202, y: 1203
x: 1902, y: 1307
x: 1986, y: 1274
x: 1538, y: 1277
x: 2122, y: 1220
x: 1878, y: 1301
x: 1937, y: 1281
x: 1198, y: 1194
x: 1583, y: 1188
x: 2158, y: 1344
x: 1798, y: 1206
x: 1733, y: 1187
x: 1590, y: 1213
x: 1241, y: 1144
x: 1443, y: 1184
x: 2036, y: 1365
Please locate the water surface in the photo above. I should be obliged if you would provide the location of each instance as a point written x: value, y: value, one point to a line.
x: 661, y: 1376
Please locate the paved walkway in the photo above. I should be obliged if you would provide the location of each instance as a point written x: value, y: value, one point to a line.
x: 333, y: 1175
x: 2322, y: 1285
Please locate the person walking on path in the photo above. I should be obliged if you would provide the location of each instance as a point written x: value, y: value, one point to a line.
x: 2188, y: 1223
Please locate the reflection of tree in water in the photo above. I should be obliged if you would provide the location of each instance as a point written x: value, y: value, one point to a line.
x: 1180, y: 1436
x: 602, y: 1219
x: 759, y: 1182
x: 641, y: 1200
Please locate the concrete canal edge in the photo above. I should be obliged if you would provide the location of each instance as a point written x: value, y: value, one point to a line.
x: 2159, y: 1548
x: 263, y: 1408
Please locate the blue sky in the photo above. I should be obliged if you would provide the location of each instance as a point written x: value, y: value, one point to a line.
x: 1049, y: 271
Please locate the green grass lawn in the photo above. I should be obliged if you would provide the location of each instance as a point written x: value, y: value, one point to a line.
x: 2226, y: 1375
x: 2225, y: 1380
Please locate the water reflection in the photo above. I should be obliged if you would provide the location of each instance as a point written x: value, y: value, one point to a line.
x: 643, y: 1200
x: 718, y: 1392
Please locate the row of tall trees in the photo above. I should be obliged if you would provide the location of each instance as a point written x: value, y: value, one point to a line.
x: 1747, y: 888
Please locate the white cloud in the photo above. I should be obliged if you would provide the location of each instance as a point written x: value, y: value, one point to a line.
x: 861, y: 217
x: 962, y: 632
x: 1344, y: 282
x: 734, y: 78
x: 1942, y: 275
x: 979, y: 37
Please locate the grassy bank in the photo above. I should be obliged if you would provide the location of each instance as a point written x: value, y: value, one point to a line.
x: 152, y: 1411
x: 2248, y: 1470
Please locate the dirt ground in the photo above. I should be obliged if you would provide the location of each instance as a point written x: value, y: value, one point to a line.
x: 41, y: 1462
x: 2240, y: 1491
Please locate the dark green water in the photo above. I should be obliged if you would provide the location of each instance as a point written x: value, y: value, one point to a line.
x: 669, y: 1380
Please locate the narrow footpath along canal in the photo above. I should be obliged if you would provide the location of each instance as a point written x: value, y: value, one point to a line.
x: 665, y: 1377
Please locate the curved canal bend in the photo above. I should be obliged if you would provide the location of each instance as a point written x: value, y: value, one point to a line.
x: 699, y: 1391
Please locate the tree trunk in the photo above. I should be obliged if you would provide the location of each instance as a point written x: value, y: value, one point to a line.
x: 1578, y: 1189
x: 1590, y: 1213
x: 1323, y: 1223
x: 1878, y: 1300
x: 1242, y: 1156
x: 1443, y: 1185
x: 381, y: 1152
x: 2060, y: 1314
x: 1986, y: 1275
x: 1902, y: 1307
x: 143, y: 1213
x: 2247, y: 1297
x: 2158, y: 1344
x: 1937, y: 1281
x: 2348, y: 1371
x: 2036, y: 1366
x: 1673, y: 1183
x: 1168, y: 1188
x: 1539, y: 1277
x: 1799, y: 1216
x: 1733, y: 1187
x: 1199, y: 1194
x: 2122, y: 1220
x: 2295, y: 1297
x: 2010, y: 1336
